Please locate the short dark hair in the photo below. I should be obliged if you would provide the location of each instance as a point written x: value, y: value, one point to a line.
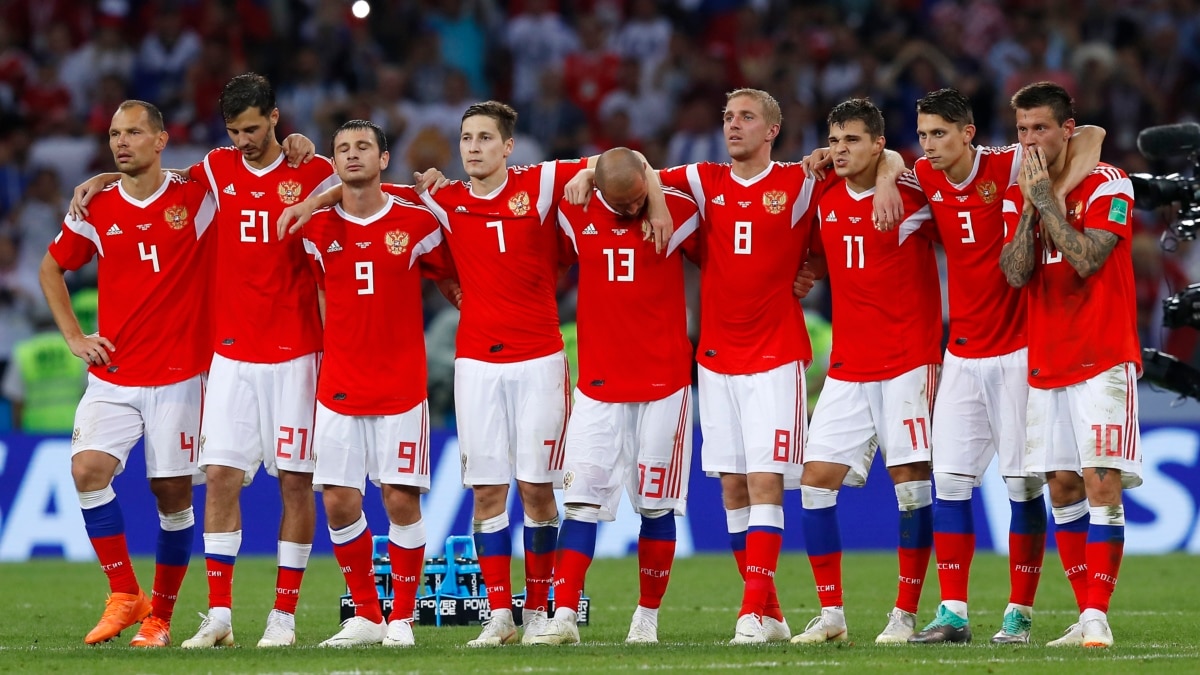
x: 1047, y: 95
x: 355, y: 125
x: 860, y: 109
x: 949, y: 104
x: 245, y: 91
x: 152, y: 113
x: 503, y: 113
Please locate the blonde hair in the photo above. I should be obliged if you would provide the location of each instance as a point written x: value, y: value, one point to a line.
x: 771, y: 112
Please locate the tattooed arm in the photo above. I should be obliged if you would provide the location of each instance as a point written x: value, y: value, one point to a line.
x: 1016, y: 258
x: 1085, y: 251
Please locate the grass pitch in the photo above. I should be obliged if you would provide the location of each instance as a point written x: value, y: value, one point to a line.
x: 49, y: 605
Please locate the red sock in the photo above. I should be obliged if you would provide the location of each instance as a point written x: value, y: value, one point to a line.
x: 655, y: 557
x: 571, y: 568
x: 1025, y: 555
x: 1072, y: 551
x: 954, y: 555
x: 914, y: 565
x: 497, y: 577
x: 827, y: 573
x: 539, y: 574
x: 356, y: 560
x: 220, y: 581
x: 167, y: 580
x: 1103, y: 563
x: 762, y: 557
x: 771, y: 608
x: 287, y: 588
x: 406, y: 573
x: 113, y: 554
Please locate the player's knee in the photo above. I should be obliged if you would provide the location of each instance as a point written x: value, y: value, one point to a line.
x: 1024, y: 488
x: 296, y: 488
x: 92, y: 470
x: 173, y: 494
x: 223, y: 481
x: 1066, y: 487
x: 490, y: 500
x: 953, y: 487
x: 342, y: 505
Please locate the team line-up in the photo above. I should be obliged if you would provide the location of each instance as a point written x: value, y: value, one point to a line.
x: 263, y: 307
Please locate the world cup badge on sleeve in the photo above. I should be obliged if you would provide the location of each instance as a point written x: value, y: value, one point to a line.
x: 519, y: 204
x: 176, y: 217
x: 774, y: 201
x: 987, y: 191
x: 396, y: 241
x: 289, y: 192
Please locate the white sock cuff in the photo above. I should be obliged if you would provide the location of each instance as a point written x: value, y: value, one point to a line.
x: 1069, y: 513
x: 766, y: 515
x: 489, y: 525
x: 1107, y: 515
x: 737, y: 520
x: 349, y: 533
x: 293, y: 555
x: 1024, y: 488
x: 817, y: 498
x: 655, y: 513
x: 180, y: 520
x: 913, y: 495
x: 407, y: 536
x: 953, y: 487
x: 223, y: 543
x: 553, y: 522
x: 97, y: 498
x: 583, y: 513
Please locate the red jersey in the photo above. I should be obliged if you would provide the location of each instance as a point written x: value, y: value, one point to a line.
x: 632, y: 312
x: 154, y: 278
x: 1079, y: 328
x: 887, y: 303
x: 374, y: 361
x: 265, y: 298
x: 754, y: 236
x: 505, y: 248
x: 987, y: 315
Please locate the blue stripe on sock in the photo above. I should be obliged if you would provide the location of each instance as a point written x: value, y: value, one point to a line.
x: 1080, y: 524
x: 821, y: 533
x: 227, y: 559
x: 737, y: 541
x: 578, y: 536
x: 493, y: 543
x: 1112, y: 534
x: 104, y: 521
x: 1028, y: 517
x: 916, y: 528
x: 541, y: 539
x: 660, y: 529
x: 175, y: 547
x: 766, y: 528
x: 953, y: 516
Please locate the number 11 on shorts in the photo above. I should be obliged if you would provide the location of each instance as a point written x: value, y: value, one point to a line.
x: 921, y: 441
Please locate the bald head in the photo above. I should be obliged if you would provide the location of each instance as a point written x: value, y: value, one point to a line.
x: 621, y: 179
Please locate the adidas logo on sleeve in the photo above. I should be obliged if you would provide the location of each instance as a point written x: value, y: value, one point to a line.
x: 114, y: 230
x: 334, y: 247
x: 229, y: 190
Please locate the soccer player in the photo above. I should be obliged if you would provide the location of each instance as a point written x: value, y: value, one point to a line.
x: 372, y: 417
x: 631, y: 423
x: 980, y: 409
x: 879, y: 390
x: 1084, y: 358
x: 146, y: 363
x: 511, y: 387
x: 259, y: 406
x: 756, y: 230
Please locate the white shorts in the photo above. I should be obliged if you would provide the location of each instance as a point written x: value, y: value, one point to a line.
x: 645, y: 446
x: 754, y: 423
x: 388, y: 449
x: 111, y: 418
x: 1092, y: 424
x: 980, y: 414
x: 260, y: 413
x: 853, y: 419
x: 511, y: 419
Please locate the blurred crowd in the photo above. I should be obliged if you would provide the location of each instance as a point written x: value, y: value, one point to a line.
x: 585, y: 76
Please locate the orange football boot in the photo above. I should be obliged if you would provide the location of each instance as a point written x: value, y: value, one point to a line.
x: 121, y: 611
x: 155, y: 632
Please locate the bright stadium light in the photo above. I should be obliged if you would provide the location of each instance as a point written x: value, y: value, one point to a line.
x: 360, y: 9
